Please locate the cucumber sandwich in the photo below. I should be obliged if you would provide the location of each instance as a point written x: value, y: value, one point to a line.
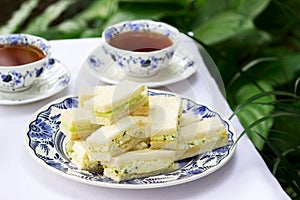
x: 112, y: 103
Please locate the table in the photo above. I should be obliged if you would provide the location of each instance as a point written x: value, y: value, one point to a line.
x: 245, y: 176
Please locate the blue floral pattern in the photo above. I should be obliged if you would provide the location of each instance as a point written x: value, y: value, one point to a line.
x: 26, y: 40
x: 138, y: 64
x: 16, y: 79
x: 47, y: 143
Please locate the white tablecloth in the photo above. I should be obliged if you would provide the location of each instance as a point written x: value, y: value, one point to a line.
x: 245, y: 176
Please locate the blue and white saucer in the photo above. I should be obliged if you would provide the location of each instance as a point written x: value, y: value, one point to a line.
x: 55, y: 78
x: 182, y: 66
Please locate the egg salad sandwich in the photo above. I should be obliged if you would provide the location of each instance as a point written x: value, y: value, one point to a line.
x: 113, y: 103
x: 139, y: 163
x: 199, y: 137
x: 164, y: 113
x: 112, y: 140
x: 77, y: 152
x: 76, y: 123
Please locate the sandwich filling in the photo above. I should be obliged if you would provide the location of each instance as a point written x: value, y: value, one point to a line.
x: 77, y: 152
x: 117, y: 138
x: 139, y: 163
x: 140, y: 100
x: 76, y: 123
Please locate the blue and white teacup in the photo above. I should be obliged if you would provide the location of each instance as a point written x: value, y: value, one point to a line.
x: 139, y: 63
x: 19, y: 77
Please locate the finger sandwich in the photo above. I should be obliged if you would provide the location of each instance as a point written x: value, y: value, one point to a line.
x: 139, y: 163
x: 164, y: 113
x: 77, y: 151
x: 76, y: 123
x: 200, y: 137
x: 112, y: 140
x: 113, y: 103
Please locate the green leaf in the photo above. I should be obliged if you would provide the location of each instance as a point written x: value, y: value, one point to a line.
x: 287, y: 128
x: 125, y: 15
x: 252, y: 8
x: 72, y: 26
x: 181, y: 2
x: 154, y: 11
x: 99, y: 9
x: 152, y: 8
x: 19, y: 17
x: 281, y: 71
x: 42, y: 22
x: 255, y: 110
x: 222, y: 26
x: 250, y: 38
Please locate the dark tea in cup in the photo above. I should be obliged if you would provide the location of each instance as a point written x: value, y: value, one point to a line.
x: 141, y: 41
x: 19, y: 54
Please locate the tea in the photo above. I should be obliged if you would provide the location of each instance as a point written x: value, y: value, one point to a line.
x: 141, y: 41
x: 14, y: 55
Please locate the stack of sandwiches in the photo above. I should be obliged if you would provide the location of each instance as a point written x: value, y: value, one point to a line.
x: 120, y: 131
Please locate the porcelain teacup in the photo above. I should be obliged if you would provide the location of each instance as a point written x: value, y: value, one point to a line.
x: 17, y: 75
x: 139, y: 58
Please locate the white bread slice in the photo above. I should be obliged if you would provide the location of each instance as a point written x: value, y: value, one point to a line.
x: 139, y: 163
x: 200, y: 137
x: 188, y: 118
x: 86, y: 93
x: 164, y: 112
x: 76, y: 123
x: 115, y: 139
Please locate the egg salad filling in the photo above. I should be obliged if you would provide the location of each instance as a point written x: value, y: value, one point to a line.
x: 171, y: 138
x: 77, y: 152
x: 165, y: 138
x: 122, y: 141
x: 139, y: 167
x: 201, y: 141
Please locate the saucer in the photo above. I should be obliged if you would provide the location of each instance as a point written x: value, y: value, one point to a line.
x: 179, y: 68
x: 54, y: 79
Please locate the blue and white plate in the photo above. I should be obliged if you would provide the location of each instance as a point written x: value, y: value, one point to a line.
x: 55, y: 78
x: 46, y: 143
x: 181, y: 66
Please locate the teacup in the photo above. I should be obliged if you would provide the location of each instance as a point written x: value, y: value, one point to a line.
x: 140, y: 47
x: 22, y: 60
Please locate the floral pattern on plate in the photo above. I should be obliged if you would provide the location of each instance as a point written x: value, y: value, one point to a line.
x: 46, y: 143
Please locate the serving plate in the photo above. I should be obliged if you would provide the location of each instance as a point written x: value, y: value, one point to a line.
x: 180, y: 67
x: 54, y: 79
x: 46, y: 143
